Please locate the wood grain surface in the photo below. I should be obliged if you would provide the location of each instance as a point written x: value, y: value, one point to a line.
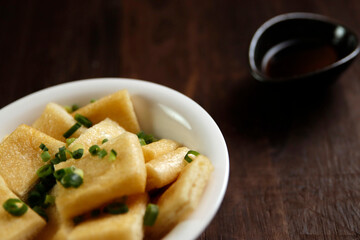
x: 294, y: 153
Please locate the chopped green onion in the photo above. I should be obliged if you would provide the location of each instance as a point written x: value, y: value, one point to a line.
x: 151, y: 213
x: 12, y: 206
x: 83, y: 120
x: 48, y: 182
x: 142, y: 141
x: 69, y: 141
x: 35, y: 198
x: 45, y: 170
x: 74, y: 107
x: 40, y: 187
x: 92, y: 100
x: 102, y: 153
x: 39, y: 210
x: 55, y: 160
x: 141, y: 134
x: 62, y: 154
x: 112, y: 155
x: 105, y: 140
x: 147, y: 138
x: 94, y: 149
x: 78, y: 171
x: 43, y: 147
x: 78, y: 153
x: 49, y: 200
x: 187, y: 158
x: 68, y: 108
x: 116, y: 208
x: 45, y: 156
x: 71, y: 131
x: 59, y: 174
x: 71, y: 180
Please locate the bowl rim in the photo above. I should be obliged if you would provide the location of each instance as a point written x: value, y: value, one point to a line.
x: 261, y: 77
x: 43, y: 94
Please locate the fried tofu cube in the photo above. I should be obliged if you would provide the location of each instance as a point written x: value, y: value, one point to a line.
x: 95, y: 135
x: 52, y: 226
x: 17, y: 227
x: 117, y: 106
x: 158, y: 148
x: 104, y: 179
x: 20, y: 157
x: 55, y: 121
x: 128, y: 226
x: 182, y: 197
x: 163, y: 170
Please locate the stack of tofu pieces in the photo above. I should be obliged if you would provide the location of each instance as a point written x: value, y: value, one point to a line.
x: 158, y: 167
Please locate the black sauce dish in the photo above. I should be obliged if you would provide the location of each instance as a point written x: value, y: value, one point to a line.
x: 301, y: 48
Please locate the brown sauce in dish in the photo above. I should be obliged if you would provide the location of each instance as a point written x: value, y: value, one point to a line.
x: 294, y: 58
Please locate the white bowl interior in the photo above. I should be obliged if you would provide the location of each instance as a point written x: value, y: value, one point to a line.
x: 162, y: 112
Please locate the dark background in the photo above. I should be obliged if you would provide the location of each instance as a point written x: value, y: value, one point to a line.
x: 294, y: 156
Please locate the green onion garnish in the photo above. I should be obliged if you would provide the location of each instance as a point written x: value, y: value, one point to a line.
x: 92, y: 100
x: 45, y: 170
x: 69, y: 141
x: 35, y: 198
x: 78, y: 153
x: 40, y: 187
x: 71, y: 131
x: 47, y: 183
x: 71, y: 180
x: 105, y: 140
x: 59, y: 174
x: 116, y: 208
x: 49, y: 200
x: 142, y: 141
x: 12, y: 206
x: 102, y: 153
x: 39, y: 210
x: 151, y: 213
x: 62, y: 154
x: 43, y: 147
x: 45, y: 156
x: 68, y: 108
x: 147, y: 138
x: 112, y: 155
x: 94, y: 149
x: 55, y: 160
x: 187, y: 158
x: 83, y: 120
x: 74, y: 107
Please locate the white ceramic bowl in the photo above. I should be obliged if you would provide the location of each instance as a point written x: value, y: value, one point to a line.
x: 161, y: 111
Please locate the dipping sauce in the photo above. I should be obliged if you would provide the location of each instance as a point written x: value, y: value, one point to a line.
x: 294, y: 58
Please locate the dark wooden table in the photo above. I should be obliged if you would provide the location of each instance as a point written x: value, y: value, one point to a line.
x: 294, y: 156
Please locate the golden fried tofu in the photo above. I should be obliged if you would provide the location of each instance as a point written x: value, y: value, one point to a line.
x: 95, y: 135
x: 104, y: 179
x: 52, y: 225
x: 182, y: 197
x: 128, y: 226
x: 20, y: 157
x: 117, y: 106
x: 163, y: 170
x: 156, y: 149
x: 17, y: 227
x: 55, y: 121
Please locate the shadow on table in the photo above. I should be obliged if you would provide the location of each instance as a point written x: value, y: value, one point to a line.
x: 267, y: 110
